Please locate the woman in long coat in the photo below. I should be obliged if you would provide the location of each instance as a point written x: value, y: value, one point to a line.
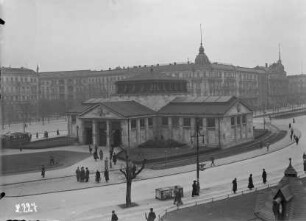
x: 98, y: 177
x: 250, y: 185
x: 234, y: 185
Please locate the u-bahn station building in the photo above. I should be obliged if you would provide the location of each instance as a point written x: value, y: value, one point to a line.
x: 154, y: 106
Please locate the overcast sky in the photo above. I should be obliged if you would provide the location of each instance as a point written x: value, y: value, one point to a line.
x: 98, y: 34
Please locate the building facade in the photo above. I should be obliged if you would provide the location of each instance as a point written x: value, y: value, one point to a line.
x: 163, y: 110
x: 19, y: 92
x: 297, y: 89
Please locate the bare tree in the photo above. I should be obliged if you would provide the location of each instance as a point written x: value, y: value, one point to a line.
x: 130, y: 172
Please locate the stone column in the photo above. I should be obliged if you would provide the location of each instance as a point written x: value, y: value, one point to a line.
x: 81, y: 131
x: 94, y: 132
x: 147, y: 128
x: 170, y: 127
x: 181, y: 123
x: 107, y: 133
x: 138, y: 135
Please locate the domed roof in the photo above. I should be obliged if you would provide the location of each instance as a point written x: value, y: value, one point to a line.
x: 202, y: 58
x: 290, y: 171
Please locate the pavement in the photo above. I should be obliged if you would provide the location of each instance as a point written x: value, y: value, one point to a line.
x: 19, y: 186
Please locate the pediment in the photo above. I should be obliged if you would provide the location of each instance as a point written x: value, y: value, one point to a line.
x: 102, y: 112
x: 238, y: 108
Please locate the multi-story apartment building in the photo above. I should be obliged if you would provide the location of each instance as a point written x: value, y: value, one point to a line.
x: 297, y: 89
x: 260, y: 87
x: 19, y: 91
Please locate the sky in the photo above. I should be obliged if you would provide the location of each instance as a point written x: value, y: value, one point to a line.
x: 63, y: 35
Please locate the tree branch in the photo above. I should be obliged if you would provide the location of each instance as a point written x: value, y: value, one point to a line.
x: 124, y: 172
x: 139, y: 171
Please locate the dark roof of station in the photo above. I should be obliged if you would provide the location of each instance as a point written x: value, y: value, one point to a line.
x: 208, y: 105
x: 129, y: 108
x: 123, y: 108
x: 152, y: 76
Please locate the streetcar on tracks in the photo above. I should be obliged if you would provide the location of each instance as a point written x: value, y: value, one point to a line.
x: 15, y: 140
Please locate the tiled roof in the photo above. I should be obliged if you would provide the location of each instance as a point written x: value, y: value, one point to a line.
x: 129, y: 108
x: 18, y: 71
x: 208, y: 105
x: 78, y: 109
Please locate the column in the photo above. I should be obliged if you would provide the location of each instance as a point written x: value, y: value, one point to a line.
x: 138, y: 135
x: 147, y: 128
x: 94, y: 132
x: 81, y: 131
x: 107, y: 133
x: 170, y: 127
x: 181, y: 129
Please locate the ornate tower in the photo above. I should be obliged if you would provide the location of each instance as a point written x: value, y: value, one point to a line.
x: 201, y: 58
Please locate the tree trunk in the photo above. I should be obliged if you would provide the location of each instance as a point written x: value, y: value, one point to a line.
x: 128, y: 192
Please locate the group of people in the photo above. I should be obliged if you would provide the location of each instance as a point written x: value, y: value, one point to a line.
x: 99, y: 154
x: 250, y: 183
x: 82, y: 175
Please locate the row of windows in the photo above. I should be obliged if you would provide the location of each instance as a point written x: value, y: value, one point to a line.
x: 19, y: 79
x: 236, y: 120
x: 211, y: 122
x: 142, y: 123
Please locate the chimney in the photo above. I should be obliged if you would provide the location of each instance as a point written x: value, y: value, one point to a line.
x: 266, y: 65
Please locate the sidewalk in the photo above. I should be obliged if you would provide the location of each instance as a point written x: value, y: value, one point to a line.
x: 64, y: 179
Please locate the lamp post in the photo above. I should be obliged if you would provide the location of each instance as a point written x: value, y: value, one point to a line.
x: 197, y: 135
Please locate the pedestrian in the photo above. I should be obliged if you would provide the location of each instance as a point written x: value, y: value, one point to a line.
x: 43, y: 171
x: 289, y: 125
x: 57, y: 132
x: 264, y: 176
x: 250, y: 185
x: 98, y: 177
x: 114, y: 216
x: 96, y: 148
x: 90, y: 149
x: 82, y: 174
x: 293, y: 120
x: 234, y: 185
x: 194, y: 189
x: 36, y: 135
x: 268, y: 146
x: 212, y: 159
x: 111, y: 151
x: 151, y: 216
x: 101, y: 154
x: 87, y: 174
x: 78, y: 173
x: 177, y: 197
x: 106, y: 175
x: 106, y: 163
x: 297, y: 140
x: 114, y: 158
x: 95, y: 155
x: 20, y: 148
x: 51, y: 160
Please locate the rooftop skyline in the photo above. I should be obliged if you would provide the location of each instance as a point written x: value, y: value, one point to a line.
x: 63, y: 35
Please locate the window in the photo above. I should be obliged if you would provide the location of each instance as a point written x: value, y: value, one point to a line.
x: 175, y: 121
x: 142, y: 123
x: 238, y: 120
x: 165, y: 121
x: 232, y: 121
x: 244, y: 119
x: 199, y: 122
x: 133, y: 124
x: 210, y: 122
x: 187, y: 122
x: 73, y: 119
x: 150, y: 122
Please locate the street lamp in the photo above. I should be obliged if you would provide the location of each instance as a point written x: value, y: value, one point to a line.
x: 197, y: 135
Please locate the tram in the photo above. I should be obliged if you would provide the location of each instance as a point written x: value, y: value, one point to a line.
x: 15, y: 140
